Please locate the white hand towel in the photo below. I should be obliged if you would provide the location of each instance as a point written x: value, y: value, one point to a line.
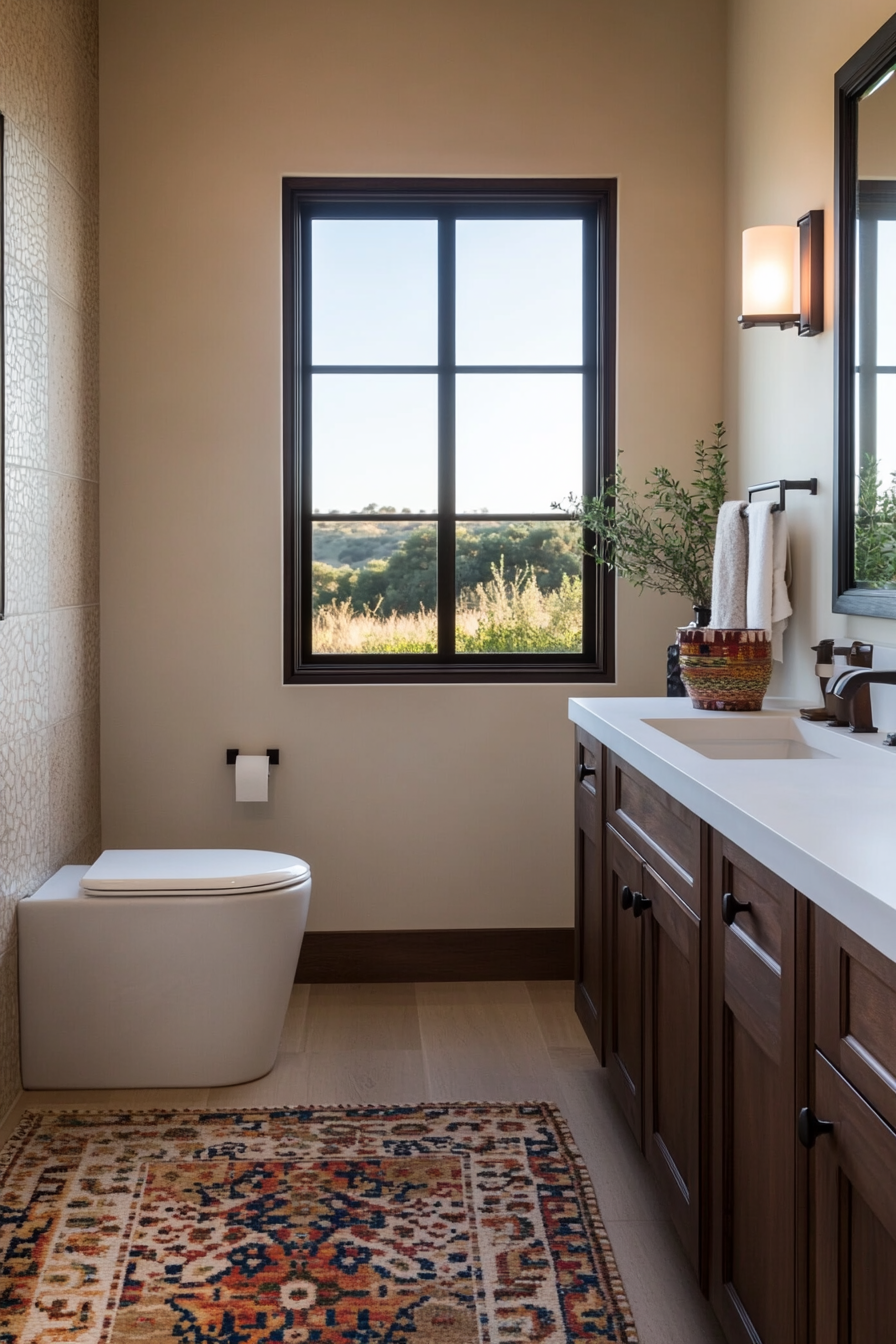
x: 781, y: 608
x: 760, y: 567
x: 729, y: 568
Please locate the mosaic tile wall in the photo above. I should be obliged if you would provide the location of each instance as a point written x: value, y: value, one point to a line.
x: 49, y: 643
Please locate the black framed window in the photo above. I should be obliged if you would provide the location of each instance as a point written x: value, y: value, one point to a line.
x: 449, y: 375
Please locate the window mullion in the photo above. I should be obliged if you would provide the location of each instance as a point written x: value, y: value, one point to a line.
x: 446, y: 525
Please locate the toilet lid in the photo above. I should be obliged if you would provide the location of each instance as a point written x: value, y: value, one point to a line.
x: 191, y: 870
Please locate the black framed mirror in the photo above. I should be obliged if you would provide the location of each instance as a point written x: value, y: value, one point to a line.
x: 865, y: 330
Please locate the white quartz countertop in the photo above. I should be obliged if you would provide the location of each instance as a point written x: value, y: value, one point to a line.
x: 826, y: 825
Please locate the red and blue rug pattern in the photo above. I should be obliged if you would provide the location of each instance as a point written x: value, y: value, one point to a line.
x: 464, y: 1224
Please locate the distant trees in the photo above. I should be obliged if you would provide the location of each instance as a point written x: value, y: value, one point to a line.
x: 406, y: 580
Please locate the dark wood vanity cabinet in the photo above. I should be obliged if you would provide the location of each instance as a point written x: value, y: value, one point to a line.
x: 653, y: 1017
x: 851, y: 1126
x: 588, y: 970
x: 759, y: 1065
x: 751, y: 1042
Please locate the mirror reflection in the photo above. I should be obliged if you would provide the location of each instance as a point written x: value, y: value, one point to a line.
x: 875, y: 338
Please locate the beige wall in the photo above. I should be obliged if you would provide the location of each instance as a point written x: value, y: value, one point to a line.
x: 49, y: 643
x: 417, y: 806
x: 782, y: 59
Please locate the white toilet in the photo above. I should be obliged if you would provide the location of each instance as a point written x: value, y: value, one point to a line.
x: 159, y: 968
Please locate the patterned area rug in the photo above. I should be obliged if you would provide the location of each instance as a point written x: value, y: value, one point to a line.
x: 467, y: 1224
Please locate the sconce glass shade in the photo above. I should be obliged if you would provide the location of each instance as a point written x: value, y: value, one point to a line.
x: 771, y: 275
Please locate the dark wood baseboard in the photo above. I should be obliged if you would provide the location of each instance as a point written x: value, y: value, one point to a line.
x: 392, y: 955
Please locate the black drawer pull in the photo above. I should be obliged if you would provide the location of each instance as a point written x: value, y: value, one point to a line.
x: 809, y: 1127
x: 641, y: 903
x: 585, y: 771
x: 731, y: 908
x: 626, y: 900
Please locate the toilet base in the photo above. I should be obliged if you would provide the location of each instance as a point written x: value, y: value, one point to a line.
x: 154, y: 991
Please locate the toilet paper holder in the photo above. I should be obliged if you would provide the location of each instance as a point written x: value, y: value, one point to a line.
x: 272, y: 753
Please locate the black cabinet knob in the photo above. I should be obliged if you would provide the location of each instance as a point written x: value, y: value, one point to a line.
x: 626, y: 900
x: 809, y: 1127
x: 640, y: 904
x: 732, y: 907
x: 585, y: 771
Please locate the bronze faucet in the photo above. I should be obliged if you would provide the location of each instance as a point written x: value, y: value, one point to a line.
x: 845, y: 689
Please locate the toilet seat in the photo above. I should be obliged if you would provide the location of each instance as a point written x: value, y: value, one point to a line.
x: 190, y: 872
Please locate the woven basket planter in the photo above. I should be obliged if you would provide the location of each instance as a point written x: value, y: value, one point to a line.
x: 725, y: 669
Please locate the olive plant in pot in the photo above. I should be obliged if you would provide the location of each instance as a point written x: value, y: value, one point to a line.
x: 663, y: 538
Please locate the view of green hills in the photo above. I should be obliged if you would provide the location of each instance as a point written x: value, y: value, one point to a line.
x: 517, y: 587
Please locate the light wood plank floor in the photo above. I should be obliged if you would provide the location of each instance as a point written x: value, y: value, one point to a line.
x: 502, y: 1041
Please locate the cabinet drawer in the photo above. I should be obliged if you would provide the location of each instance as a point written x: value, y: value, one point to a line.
x: 663, y: 832
x: 855, y: 1011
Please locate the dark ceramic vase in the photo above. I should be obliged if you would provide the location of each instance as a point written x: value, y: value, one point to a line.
x: 675, y: 687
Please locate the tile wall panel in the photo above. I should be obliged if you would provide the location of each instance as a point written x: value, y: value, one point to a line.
x: 25, y: 834
x: 24, y: 675
x: 74, y: 391
x: 86, y: 851
x: 74, y: 662
x: 80, y: 22
x: 49, y: 643
x: 73, y: 254
x: 27, y: 540
x: 27, y: 367
x: 74, y: 545
x: 27, y: 202
x: 24, y: 91
x: 74, y: 782
x: 74, y: 121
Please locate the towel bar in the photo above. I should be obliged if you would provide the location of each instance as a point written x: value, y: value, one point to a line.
x: 783, y: 487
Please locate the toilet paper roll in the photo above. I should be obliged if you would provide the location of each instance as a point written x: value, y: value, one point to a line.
x: 252, y: 778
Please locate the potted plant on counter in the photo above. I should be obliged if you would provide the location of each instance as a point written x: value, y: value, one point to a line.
x: 662, y: 539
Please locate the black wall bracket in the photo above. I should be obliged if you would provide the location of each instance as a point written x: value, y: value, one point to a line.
x: 272, y: 753
x: 782, y: 487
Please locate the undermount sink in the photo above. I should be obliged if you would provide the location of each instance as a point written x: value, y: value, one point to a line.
x: 748, y: 737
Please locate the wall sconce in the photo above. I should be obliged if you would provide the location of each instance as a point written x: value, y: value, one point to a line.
x: 783, y: 275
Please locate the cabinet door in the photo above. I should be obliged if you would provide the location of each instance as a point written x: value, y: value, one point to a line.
x: 625, y: 1033
x: 672, y: 1092
x: 854, y: 1205
x: 759, y: 1079
x: 589, y: 947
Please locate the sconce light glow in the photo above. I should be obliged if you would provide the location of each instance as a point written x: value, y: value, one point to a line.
x: 771, y: 272
x: 783, y: 276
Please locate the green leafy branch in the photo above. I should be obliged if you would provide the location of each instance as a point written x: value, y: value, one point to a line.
x: 875, y: 535
x: 665, y: 540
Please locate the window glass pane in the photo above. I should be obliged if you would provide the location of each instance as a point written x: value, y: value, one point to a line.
x: 374, y: 442
x: 374, y: 291
x: 519, y: 291
x: 518, y: 588
x: 519, y: 441
x: 886, y: 292
x: 886, y: 427
x: 374, y: 586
